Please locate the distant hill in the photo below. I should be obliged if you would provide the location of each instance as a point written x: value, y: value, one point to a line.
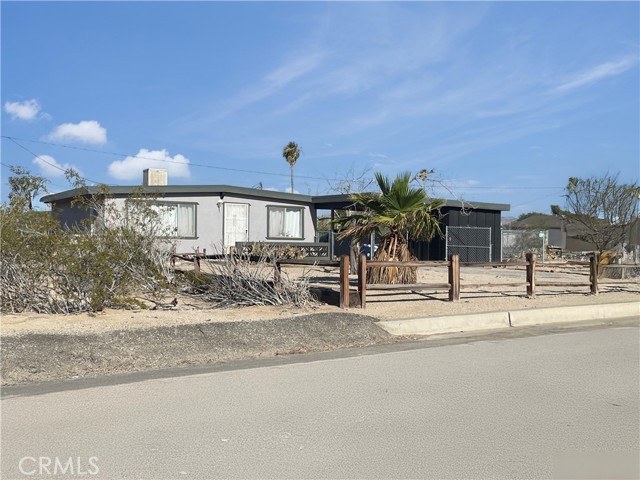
x: 507, y: 220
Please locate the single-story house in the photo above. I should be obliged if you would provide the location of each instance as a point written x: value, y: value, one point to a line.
x: 211, y: 217
x: 217, y: 217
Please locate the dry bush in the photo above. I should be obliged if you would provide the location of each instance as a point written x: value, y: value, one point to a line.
x: 236, y: 281
x: 47, y: 269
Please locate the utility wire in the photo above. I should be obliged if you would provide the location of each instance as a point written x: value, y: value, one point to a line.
x: 45, y: 161
x: 85, y: 149
x: 13, y: 139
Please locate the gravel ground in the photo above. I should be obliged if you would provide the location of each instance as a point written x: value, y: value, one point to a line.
x: 37, y: 348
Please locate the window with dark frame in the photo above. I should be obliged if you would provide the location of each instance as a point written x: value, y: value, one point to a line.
x: 285, y: 222
x: 177, y: 219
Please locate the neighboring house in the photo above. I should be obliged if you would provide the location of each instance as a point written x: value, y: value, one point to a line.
x: 562, y: 237
x: 558, y: 233
x: 554, y: 227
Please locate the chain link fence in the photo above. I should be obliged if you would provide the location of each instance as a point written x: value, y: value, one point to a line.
x: 472, y: 244
x: 516, y: 243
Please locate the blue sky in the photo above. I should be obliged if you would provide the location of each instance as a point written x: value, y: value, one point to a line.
x: 505, y: 100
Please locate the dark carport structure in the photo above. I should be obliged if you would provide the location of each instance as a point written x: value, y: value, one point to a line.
x: 470, y: 229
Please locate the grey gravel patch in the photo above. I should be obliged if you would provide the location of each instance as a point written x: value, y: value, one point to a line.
x: 34, y: 358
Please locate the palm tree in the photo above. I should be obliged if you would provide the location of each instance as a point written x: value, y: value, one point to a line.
x: 291, y: 153
x: 397, y: 213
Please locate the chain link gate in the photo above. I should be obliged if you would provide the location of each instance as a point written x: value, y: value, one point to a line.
x: 472, y: 244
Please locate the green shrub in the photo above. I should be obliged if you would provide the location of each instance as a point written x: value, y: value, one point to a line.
x: 47, y: 269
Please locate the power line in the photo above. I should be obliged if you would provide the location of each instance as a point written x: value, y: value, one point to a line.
x: 201, y: 165
x: 117, y: 154
x: 532, y: 201
x: 47, y: 162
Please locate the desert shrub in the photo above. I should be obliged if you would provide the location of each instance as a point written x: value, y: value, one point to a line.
x: 237, y: 281
x: 49, y: 269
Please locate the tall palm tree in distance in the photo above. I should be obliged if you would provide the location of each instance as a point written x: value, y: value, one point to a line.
x: 291, y: 153
x: 398, y: 212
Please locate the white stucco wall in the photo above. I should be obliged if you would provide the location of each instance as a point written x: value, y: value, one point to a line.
x: 210, y: 217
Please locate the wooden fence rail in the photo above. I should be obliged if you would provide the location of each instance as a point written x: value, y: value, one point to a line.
x: 453, y: 272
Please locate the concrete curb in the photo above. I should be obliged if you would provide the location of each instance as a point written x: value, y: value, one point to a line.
x: 451, y: 323
x: 541, y: 316
x: 515, y: 318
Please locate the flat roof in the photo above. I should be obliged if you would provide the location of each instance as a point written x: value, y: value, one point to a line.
x: 335, y: 202
x: 119, y: 191
x: 321, y: 202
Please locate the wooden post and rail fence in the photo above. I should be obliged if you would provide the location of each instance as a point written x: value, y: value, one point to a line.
x: 453, y: 285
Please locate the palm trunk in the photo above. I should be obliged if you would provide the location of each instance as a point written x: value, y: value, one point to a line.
x: 393, y: 248
x: 291, y: 178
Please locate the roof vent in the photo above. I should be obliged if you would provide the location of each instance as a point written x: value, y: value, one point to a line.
x: 154, y: 176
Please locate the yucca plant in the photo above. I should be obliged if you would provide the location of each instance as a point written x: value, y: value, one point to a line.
x: 397, y: 213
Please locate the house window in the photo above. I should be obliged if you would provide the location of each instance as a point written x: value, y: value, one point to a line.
x: 177, y: 219
x: 284, y: 222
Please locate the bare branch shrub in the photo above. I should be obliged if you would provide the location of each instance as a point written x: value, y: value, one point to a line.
x: 602, y: 209
x: 49, y: 269
x: 236, y: 281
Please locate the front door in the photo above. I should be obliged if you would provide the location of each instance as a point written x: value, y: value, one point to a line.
x: 236, y: 224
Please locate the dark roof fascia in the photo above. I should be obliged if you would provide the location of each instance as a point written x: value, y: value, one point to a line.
x: 344, y: 200
x: 502, y: 207
x: 319, y: 201
x: 120, y: 191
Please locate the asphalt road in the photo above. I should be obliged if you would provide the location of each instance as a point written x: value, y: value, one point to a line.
x: 563, y: 405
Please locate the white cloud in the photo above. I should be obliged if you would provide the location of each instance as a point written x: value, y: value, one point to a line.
x: 27, y: 110
x: 131, y: 167
x: 87, y: 131
x: 49, y: 167
x: 597, y: 73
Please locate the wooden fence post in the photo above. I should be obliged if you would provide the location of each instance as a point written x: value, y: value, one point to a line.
x: 344, y: 281
x: 196, y: 261
x: 593, y: 272
x: 531, y: 275
x: 277, y: 273
x: 454, y: 277
x: 362, y: 280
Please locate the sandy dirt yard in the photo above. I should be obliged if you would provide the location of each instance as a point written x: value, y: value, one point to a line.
x: 383, y: 305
